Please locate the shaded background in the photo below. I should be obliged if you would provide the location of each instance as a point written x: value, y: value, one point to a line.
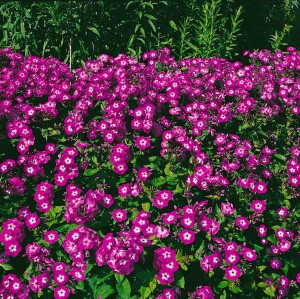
x: 74, y: 31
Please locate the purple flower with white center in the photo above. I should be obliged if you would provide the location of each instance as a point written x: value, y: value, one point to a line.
x: 261, y: 187
x: 230, y: 247
x: 232, y: 273
x: 275, y: 263
x: 142, y: 142
x: 258, y: 206
x: 282, y: 212
x: 60, y: 278
x: 165, y: 277
x: 227, y: 208
x: 119, y: 215
x: 187, y: 236
x: 32, y: 220
x: 249, y: 254
x: 143, y: 174
x: 51, y: 236
x: 61, y: 292
x: 242, y: 222
x: 262, y: 230
x: 232, y: 258
x: 280, y: 233
x: 124, y: 190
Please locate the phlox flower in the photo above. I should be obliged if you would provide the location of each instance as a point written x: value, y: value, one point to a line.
x: 242, y: 222
x: 232, y: 273
x: 61, y: 292
x: 187, y: 236
x: 258, y: 206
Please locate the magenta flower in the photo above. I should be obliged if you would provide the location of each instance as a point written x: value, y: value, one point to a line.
x: 242, y: 222
x: 119, y: 215
x: 32, y: 220
x: 61, y: 292
x: 249, y: 254
x: 142, y: 142
x: 165, y: 277
x: 258, y: 206
x: 227, y: 208
x: 275, y: 263
x: 143, y: 174
x: 232, y: 273
x: 51, y: 236
x: 232, y: 258
x: 187, y: 236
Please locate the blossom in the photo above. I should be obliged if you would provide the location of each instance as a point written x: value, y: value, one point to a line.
x: 232, y: 273
x: 187, y: 236
x: 61, y: 292
x: 227, y: 208
x: 258, y: 206
x: 242, y: 222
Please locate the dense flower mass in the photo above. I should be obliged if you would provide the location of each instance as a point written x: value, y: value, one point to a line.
x: 150, y: 179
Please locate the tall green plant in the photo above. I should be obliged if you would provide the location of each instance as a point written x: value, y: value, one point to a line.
x: 207, y: 31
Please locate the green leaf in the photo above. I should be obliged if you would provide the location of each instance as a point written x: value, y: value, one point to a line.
x: 94, y: 30
x: 261, y: 285
x: 150, y: 17
x: 152, y: 25
x: 172, y: 180
x: 152, y: 159
x: 90, y: 172
x: 103, y: 291
x: 124, y: 289
x: 146, y: 206
x: 179, y: 279
x: 258, y: 248
x: 6, y: 267
x: 177, y: 190
x: 223, y: 284
x: 280, y: 157
x: 272, y: 239
x: 145, y: 292
x: 119, y: 278
x: 158, y: 181
x: 262, y: 268
x: 270, y: 291
x: 173, y: 25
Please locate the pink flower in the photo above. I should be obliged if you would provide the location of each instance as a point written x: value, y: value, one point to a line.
x: 12, y: 248
x: 61, y: 292
x: 165, y: 277
x: 262, y: 230
x: 142, y: 142
x: 119, y: 215
x: 232, y: 273
x: 280, y: 233
x: 51, y: 236
x: 143, y: 174
x: 227, y: 208
x: 232, y: 258
x: 258, y: 206
x: 32, y: 221
x: 60, y: 278
x: 249, y: 254
x: 187, y: 236
x: 120, y: 168
x: 282, y: 212
x: 241, y: 222
x: 261, y: 187
x: 275, y: 263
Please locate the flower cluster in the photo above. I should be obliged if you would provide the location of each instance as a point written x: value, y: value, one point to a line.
x: 66, y: 166
x: 166, y: 264
x: 181, y: 165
